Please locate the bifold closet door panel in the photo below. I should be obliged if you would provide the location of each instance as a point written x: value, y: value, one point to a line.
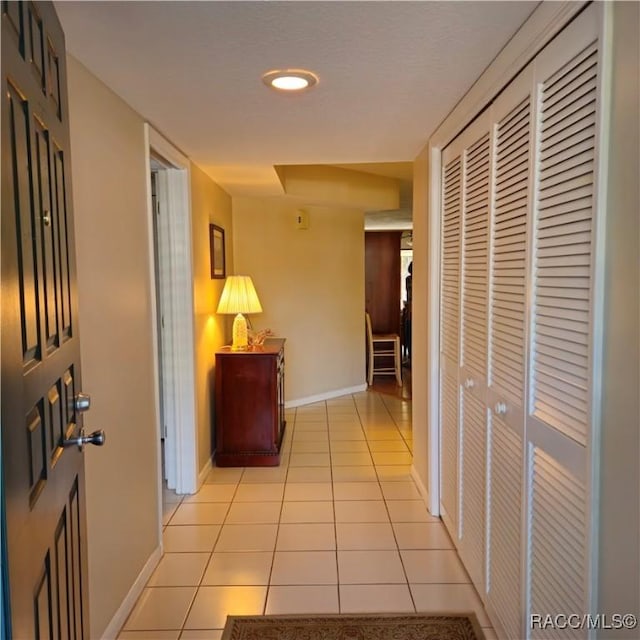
x: 559, y: 411
x: 464, y: 286
x: 450, y: 336
x: 512, y: 157
x: 473, y: 346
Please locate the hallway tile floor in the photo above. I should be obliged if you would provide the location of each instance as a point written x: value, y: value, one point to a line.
x: 338, y: 527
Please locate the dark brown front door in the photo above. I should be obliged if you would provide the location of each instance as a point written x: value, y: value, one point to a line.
x: 43, y: 481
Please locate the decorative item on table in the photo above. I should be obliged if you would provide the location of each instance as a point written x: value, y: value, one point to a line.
x: 239, y: 296
x: 257, y: 338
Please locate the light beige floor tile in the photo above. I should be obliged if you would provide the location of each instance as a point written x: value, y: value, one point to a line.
x: 356, y: 491
x: 379, y: 420
x: 383, y: 434
x: 268, y: 492
x: 354, y: 474
x: 400, y: 491
x: 375, y: 598
x: 365, y: 535
x: 253, y: 513
x: 311, y: 408
x: 238, y: 568
x: 212, y: 605
x: 349, y: 446
x: 313, y: 422
x: 201, y: 634
x: 306, y: 537
x: 258, y: 475
x: 342, y: 423
x: 247, y: 537
x: 310, y: 460
x: 309, y: 474
x: 285, y: 456
x: 390, y: 457
x: 394, y: 473
x: 213, y: 493
x: 316, y: 446
x: 310, y: 436
x: 307, y: 512
x: 160, y: 608
x: 179, y: 570
x: 302, y: 599
x: 149, y: 635
x: 361, y: 511
x: 409, y: 511
x: 168, y: 511
x: 304, y: 567
x: 308, y: 491
x: 194, y: 538
x: 433, y: 566
x: 200, y: 513
x: 224, y: 475
x: 355, y: 459
x: 395, y: 446
x: 348, y: 411
x: 340, y: 401
x: 456, y: 598
x: 170, y: 496
x: 422, y: 535
x: 370, y: 567
x: 346, y: 434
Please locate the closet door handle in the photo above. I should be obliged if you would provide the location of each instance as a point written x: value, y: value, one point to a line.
x: 500, y: 408
x: 469, y: 383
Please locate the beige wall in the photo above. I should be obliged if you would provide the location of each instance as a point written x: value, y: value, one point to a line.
x: 109, y: 194
x: 311, y: 286
x: 619, y: 577
x: 209, y: 204
x: 109, y: 184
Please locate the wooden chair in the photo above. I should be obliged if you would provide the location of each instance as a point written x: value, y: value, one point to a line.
x: 388, y: 348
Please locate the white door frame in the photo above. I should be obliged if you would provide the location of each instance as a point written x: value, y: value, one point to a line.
x: 177, y: 295
x: 544, y: 23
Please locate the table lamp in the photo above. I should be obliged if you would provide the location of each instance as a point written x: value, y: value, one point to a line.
x: 239, y: 296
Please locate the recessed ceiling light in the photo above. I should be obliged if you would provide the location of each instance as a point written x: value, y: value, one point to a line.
x: 290, y: 79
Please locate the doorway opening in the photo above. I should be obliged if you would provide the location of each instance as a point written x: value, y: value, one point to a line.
x: 170, y: 238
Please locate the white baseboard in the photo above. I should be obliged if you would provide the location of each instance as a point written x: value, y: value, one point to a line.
x: 424, y: 493
x: 324, y: 396
x: 204, y: 472
x: 120, y: 617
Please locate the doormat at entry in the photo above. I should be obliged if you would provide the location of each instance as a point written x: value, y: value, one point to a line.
x: 439, y: 626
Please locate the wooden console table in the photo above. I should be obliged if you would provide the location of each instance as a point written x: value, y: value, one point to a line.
x: 250, y: 405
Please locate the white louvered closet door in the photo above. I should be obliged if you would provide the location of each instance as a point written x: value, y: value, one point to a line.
x: 449, y: 336
x: 511, y: 190
x: 559, y: 419
x: 517, y: 337
x: 473, y: 346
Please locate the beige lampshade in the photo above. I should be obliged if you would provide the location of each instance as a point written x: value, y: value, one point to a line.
x: 239, y: 296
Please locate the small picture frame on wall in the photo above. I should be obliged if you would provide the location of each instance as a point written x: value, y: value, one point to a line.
x: 216, y: 246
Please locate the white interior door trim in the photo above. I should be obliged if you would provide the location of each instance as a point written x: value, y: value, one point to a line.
x: 541, y: 26
x: 177, y: 292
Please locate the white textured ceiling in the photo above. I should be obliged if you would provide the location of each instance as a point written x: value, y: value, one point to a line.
x: 389, y: 73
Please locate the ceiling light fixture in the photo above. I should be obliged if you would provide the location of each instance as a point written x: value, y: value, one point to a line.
x: 290, y: 80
